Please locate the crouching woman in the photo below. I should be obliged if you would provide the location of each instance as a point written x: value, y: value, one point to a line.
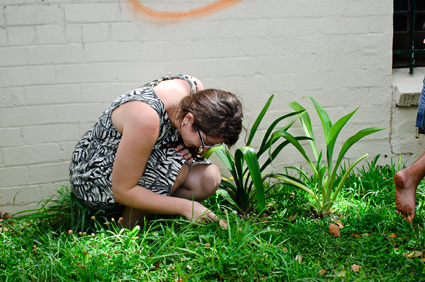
x: 142, y: 155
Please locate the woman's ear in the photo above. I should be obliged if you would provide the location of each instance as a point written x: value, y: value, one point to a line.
x: 189, y: 118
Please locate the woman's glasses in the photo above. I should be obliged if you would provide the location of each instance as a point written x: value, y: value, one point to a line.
x: 203, y: 143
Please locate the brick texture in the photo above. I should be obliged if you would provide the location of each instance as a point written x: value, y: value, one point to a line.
x: 63, y: 62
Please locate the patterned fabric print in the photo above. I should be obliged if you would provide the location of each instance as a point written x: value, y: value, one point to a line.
x: 93, y: 157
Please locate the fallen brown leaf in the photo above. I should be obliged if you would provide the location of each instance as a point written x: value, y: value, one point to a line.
x: 334, y: 230
x: 356, y: 235
x: 339, y: 223
x: 393, y: 235
x: 415, y: 254
x: 341, y: 273
x: 292, y: 218
x: 355, y: 267
x: 223, y: 224
x: 423, y: 260
x: 285, y: 250
x: 6, y: 216
x: 418, y: 254
x: 157, y: 265
x: 180, y: 279
x: 322, y: 272
x: 365, y: 234
x: 299, y: 258
x: 265, y: 218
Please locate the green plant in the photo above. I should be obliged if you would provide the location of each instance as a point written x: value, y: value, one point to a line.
x: 374, y: 237
x: 245, y: 169
x: 325, y: 191
x: 62, y: 210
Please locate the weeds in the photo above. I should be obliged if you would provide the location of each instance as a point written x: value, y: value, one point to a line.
x: 285, y: 244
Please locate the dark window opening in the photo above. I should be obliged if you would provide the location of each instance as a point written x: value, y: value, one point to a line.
x: 409, y: 34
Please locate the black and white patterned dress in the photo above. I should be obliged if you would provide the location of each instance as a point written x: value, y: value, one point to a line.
x: 93, y: 157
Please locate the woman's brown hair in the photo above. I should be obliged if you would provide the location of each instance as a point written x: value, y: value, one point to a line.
x: 217, y: 114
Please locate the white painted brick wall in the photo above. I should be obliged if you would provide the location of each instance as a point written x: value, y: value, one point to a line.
x: 97, y: 32
x: 92, y: 12
x: 63, y: 61
x: 29, y: 15
x: 11, y: 137
x: 51, y: 133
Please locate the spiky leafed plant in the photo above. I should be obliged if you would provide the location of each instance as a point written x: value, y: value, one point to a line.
x: 245, y: 188
x: 325, y: 191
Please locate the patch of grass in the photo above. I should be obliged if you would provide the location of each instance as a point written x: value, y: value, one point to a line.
x: 261, y: 248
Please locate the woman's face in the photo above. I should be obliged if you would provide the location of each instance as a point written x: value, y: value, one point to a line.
x: 191, y: 138
x: 196, y: 138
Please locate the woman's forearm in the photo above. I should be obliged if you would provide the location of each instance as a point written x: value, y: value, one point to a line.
x: 147, y: 201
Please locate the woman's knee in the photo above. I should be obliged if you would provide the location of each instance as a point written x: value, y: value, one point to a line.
x: 211, y: 179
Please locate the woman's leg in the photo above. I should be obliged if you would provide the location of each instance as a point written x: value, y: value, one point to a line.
x: 201, y: 182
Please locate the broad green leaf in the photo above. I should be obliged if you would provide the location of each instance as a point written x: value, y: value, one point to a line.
x: 294, y: 141
x: 333, y: 135
x: 277, y: 151
x: 347, y: 203
x: 320, y: 174
x: 239, y: 162
x: 346, y: 174
x: 273, y: 125
x: 211, y: 151
x: 300, y: 171
x: 324, y: 118
x: 290, y: 180
x: 351, y: 141
x: 247, y: 153
x: 258, y: 120
x: 225, y: 157
x: 223, y: 193
x: 228, y: 185
x: 268, y: 143
x: 308, y: 128
x: 226, y: 195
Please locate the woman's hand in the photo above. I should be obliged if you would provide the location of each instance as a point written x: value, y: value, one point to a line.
x: 184, y: 152
x: 197, y: 212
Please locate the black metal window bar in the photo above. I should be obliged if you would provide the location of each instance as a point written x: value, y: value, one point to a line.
x: 409, y: 34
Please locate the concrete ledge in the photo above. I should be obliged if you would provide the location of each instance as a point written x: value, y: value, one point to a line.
x: 407, y: 88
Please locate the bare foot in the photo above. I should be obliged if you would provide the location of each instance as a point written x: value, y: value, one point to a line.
x: 405, y: 194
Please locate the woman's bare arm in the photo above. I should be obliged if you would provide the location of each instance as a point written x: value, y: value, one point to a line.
x: 139, y: 125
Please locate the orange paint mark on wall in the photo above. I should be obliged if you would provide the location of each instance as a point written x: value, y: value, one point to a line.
x: 190, y: 14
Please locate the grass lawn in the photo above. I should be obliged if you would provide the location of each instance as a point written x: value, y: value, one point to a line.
x: 287, y: 243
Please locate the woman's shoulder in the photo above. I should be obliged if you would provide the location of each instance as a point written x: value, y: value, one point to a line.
x: 135, y: 114
x: 184, y: 84
x: 170, y: 92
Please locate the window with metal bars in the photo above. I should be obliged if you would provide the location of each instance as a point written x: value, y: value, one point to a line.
x: 409, y: 34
